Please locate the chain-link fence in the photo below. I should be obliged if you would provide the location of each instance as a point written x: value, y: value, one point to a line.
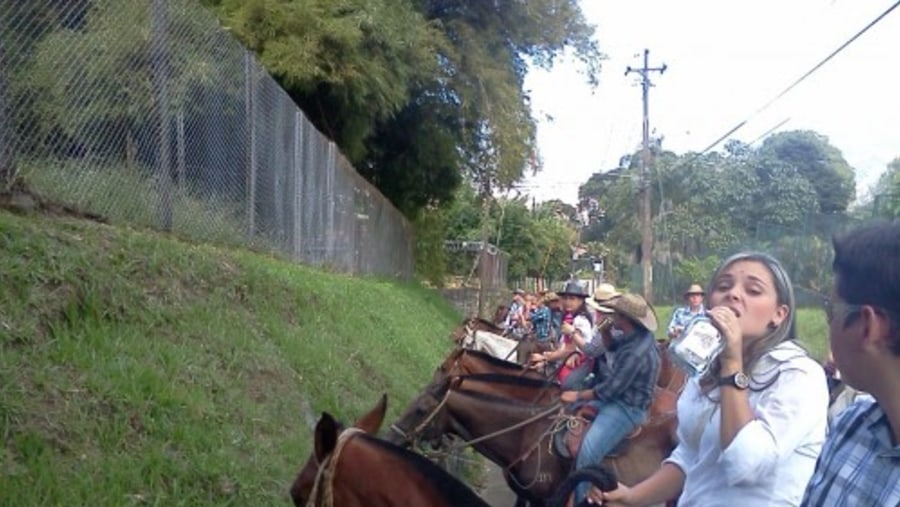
x: 148, y: 112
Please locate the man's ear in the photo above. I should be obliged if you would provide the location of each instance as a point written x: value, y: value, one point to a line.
x: 876, y: 329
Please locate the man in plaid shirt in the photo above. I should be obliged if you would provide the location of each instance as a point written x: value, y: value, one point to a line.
x: 860, y: 462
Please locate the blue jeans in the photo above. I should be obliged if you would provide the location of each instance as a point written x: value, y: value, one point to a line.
x: 613, y: 423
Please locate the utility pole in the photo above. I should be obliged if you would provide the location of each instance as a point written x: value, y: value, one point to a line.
x: 644, y: 208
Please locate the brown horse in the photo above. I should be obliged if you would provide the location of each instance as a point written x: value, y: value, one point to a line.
x: 473, y: 324
x: 639, y: 459
x: 350, y: 468
x: 461, y: 362
x: 516, y: 435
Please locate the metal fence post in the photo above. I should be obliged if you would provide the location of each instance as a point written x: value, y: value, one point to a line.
x: 297, y: 189
x: 7, y: 152
x: 159, y: 63
x: 250, y: 119
x: 330, y: 164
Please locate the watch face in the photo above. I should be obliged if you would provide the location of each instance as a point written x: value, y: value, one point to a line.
x: 741, y: 380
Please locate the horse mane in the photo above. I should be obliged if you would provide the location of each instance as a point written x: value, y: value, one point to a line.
x: 454, y: 491
x: 500, y: 378
x: 498, y: 400
x: 496, y: 361
x: 484, y: 321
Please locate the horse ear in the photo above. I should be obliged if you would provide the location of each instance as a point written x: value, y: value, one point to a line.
x: 372, y: 421
x: 455, y: 382
x: 326, y: 436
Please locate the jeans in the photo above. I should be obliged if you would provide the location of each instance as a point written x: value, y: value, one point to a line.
x: 613, y: 423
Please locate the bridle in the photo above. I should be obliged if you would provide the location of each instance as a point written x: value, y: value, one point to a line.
x: 324, y: 483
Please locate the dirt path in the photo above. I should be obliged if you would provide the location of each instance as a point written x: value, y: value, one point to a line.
x: 495, y: 491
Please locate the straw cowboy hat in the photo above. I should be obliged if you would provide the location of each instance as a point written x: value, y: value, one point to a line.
x: 694, y: 289
x: 635, y: 308
x: 550, y: 297
x: 603, y: 293
x: 573, y: 288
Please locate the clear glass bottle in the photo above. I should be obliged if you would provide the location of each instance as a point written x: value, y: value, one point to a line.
x: 697, y: 346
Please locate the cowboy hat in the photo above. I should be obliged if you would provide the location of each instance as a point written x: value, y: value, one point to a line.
x: 635, y: 308
x: 573, y: 288
x: 603, y: 293
x: 550, y: 297
x: 694, y: 289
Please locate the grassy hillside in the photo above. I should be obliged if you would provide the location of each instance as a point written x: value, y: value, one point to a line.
x: 139, y: 370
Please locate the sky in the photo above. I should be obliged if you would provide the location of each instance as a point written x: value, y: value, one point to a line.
x: 725, y: 60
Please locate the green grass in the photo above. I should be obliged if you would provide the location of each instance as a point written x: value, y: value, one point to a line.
x: 136, y: 369
x: 812, y: 330
x: 126, y: 195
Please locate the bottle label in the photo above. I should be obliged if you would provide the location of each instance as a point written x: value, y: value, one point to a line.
x: 698, y: 346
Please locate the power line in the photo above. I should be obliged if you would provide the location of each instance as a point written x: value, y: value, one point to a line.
x: 767, y: 132
x: 800, y: 79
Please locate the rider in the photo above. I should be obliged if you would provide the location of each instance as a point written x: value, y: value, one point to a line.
x: 576, y: 320
x: 594, y: 346
x: 622, y: 397
x: 540, y: 318
x: 515, y: 318
x: 684, y: 314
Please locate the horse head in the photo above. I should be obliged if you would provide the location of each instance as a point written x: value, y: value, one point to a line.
x: 327, y: 432
x: 464, y: 330
x: 424, y: 418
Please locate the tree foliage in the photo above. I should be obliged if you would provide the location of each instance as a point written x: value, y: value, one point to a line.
x: 419, y: 94
x: 108, y: 90
x: 887, y: 191
x: 707, y: 205
x: 537, y: 241
x: 820, y: 163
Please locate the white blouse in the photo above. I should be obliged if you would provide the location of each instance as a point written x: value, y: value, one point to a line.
x: 771, y: 459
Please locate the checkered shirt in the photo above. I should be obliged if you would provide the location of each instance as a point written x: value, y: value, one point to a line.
x: 859, y: 465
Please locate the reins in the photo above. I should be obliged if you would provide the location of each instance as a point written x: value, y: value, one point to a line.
x: 325, y: 474
x: 553, y: 408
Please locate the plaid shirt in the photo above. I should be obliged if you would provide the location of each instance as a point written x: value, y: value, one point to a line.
x: 635, y: 370
x: 540, y: 319
x: 683, y: 316
x: 859, y: 465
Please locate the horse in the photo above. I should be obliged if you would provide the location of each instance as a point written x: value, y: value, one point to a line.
x: 463, y: 362
x: 472, y: 324
x: 350, y: 468
x: 517, y: 435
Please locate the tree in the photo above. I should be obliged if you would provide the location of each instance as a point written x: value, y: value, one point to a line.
x: 419, y: 94
x: 887, y: 191
x: 819, y: 162
x: 99, y: 104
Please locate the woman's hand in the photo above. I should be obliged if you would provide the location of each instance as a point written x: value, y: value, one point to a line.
x: 727, y: 322
x: 572, y: 361
x: 537, y: 360
x: 617, y: 497
x: 567, y: 328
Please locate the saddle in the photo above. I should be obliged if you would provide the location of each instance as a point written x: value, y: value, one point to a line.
x: 567, y: 441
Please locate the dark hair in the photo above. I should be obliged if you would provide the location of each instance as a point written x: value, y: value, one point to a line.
x: 867, y: 269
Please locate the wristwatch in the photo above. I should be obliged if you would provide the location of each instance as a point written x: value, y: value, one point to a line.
x: 739, y: 380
